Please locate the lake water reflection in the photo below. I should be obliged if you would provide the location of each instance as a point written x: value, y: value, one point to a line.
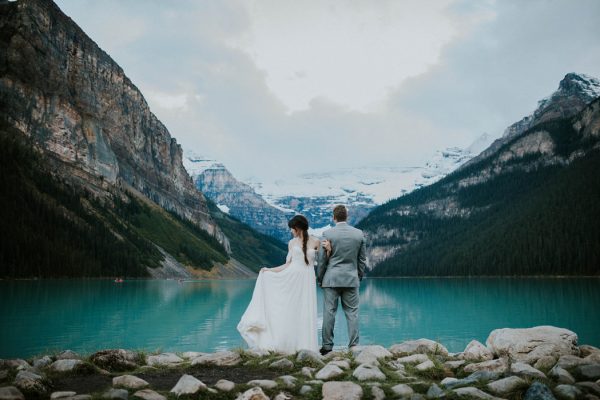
x: 87, y: 315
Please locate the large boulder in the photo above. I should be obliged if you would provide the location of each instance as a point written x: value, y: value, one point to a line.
x: 530, y: 344
x: 188, y: 384
x: 221, y: 358
x: 506, y: 386
x: 330, y: 371
x: 164, y: 360
x: 539, y: 391
x: 370, y: 354
x: 498, y: 365
x: 476, y: 351
x: 65, y: 365
x: 368, y: 372
x: 422, y: 346
x: 115, y: 359
x: 341, y: 391
x: 30, y: 383
x: 129, y: 382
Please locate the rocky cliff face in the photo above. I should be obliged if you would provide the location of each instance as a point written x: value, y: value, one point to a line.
x: 564, y: 128
x: 58, y: 87
x: 574, y: 92
x: 236, y: 198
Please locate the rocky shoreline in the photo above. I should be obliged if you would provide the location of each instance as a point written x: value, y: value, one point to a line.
x: 542, y: 362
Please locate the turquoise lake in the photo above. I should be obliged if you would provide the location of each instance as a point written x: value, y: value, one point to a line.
x: 165, y: 315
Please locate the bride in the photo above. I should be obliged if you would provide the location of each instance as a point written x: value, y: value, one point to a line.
x: 282, y: 315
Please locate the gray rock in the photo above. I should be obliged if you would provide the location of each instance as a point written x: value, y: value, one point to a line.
x: 305, y: 389
x: 538, y: 391
x: 255, y: 393
x: 43, y: 362
x: 263, y: 383
x: 284, y: 363
x: 418, y: 346
x: 129, y: 382
x: 164, y: 360
x: 425, y: 366
x: 65, y: 365
x: 68, y: 355
x: 449, y: 381
x: 308, y: 372
x: 224, y: 385
x: 399, y: 367
x: 589, y: 387
x: 507, y: 385
x: 377, y: 393
x: 585, y: 350
x: 476, y: 351
x: 116, y: 394
x: 561, y: 375
x: 62, y: 395
x: 570, y: 361
x: 434, y: 391
x: 367, y: 372
x: 481, y: 376
x: 282, y: 396
x: 402, y: 390
x: 591, y: 371
x: 530, y: 344
x: 310, y: 356
x: 526, y: 370
x: 471, y: 392
x: 568, y: 392
x: 11, y: 393
x: 115, y: 359
x: 413, y: 359
x: 330, y: 371
x: 30, y: 382
x: 343, y: 364
x: 148, y: 394
x: 17, y: 363
x: 221, y: 358
x: 254, y: 353
x: 3, y: 374
x: 498, y: 365
x: 188, y: 384
x: 341, y: 391
x: 81, y: 397
x: 289, y: 381
x: 370, y: 354
x: 314, y: 382
x: 545, y: 362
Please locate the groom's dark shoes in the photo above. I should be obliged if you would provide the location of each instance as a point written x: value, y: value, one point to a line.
x: 324, y: 351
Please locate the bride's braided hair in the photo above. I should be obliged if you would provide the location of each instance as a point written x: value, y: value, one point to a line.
x: 300, y: 222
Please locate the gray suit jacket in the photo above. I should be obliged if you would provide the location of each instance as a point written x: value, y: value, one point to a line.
x: 348, y: 261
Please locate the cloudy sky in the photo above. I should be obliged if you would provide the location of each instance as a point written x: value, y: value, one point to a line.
x: 276, y: 87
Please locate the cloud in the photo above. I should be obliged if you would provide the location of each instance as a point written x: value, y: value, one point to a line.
x: 275, y: 88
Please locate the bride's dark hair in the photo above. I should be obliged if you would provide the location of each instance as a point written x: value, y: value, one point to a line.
x: 299, y: 222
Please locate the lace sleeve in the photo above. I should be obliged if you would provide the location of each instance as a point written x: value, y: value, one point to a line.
x: 288, y: 258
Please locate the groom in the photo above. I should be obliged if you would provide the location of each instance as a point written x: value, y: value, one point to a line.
x: 339, y: 272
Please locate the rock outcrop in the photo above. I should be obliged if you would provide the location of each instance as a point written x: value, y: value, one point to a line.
x: 59, y: 88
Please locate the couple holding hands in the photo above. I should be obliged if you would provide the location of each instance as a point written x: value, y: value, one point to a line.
x: 282, y: 314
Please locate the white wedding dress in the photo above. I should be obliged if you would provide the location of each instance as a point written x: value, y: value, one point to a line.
x: 282, y: 315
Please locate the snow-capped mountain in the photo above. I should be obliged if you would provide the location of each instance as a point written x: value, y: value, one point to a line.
x: 267, y: 205
x: 361, y: 189
x: 236, y: 198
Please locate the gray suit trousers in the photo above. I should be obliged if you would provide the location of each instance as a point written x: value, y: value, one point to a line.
x: 349, y: 297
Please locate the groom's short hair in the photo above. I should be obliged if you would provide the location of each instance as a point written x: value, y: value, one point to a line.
x: 340, y: 213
